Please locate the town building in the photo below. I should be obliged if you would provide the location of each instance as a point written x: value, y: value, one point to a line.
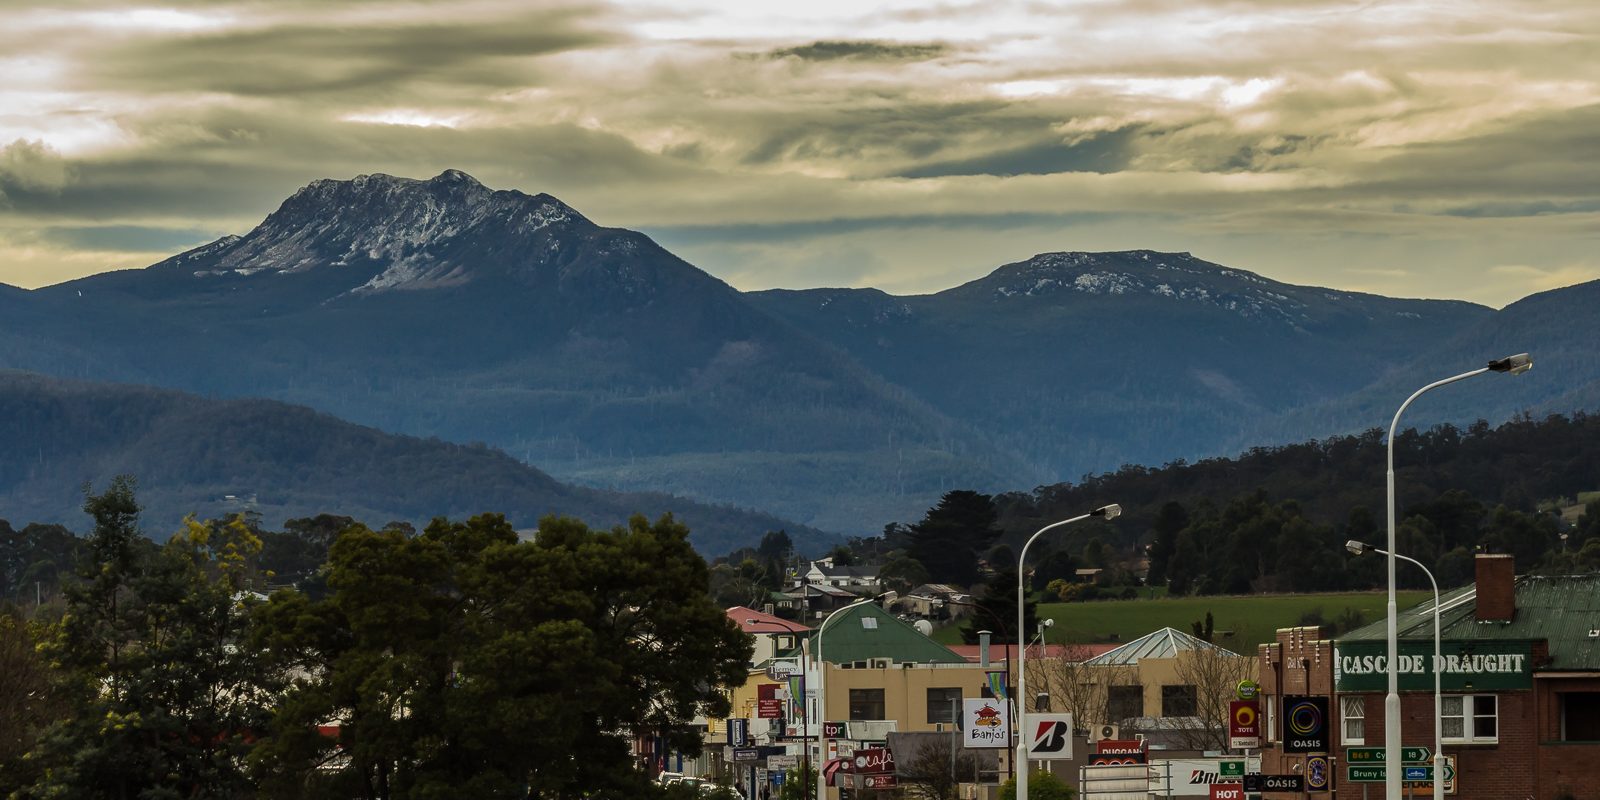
x: 1169, y: 687
x: 1520, y: 684
x: 772, y: 634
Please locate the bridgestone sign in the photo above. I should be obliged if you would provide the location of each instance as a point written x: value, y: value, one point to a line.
x: 1486, y: 665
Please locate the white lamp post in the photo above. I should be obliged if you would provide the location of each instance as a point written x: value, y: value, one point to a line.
x: 1018, y: 724
x: 822, y: 697
x: 1514, y: 365
x: 1438, y: 697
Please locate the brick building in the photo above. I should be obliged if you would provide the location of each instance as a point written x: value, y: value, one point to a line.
x: 1520, y: 681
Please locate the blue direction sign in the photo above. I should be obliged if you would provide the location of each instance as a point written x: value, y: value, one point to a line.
x: 1418, y: 773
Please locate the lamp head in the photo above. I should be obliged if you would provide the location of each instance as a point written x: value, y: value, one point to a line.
x: 1109, y: 512
x: 1357, y: 548
x: 1047, y: 622
x: 1514, y: 365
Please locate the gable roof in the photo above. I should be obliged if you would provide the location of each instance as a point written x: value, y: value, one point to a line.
x: 1165, y: 643
x: 754, y: 622
x: 934, y: 590
x: 846, y: 572
x: 847, y: 638
x: 1559, y: 609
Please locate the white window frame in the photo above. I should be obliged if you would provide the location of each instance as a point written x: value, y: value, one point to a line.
x: 1466, y: 713
x: 1352, y: 709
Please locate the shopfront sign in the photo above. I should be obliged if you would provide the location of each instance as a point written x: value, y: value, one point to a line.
x: 985, y: 723
x: 1465, y: 666
x: 1244, y: 725
x: 1305, y: 724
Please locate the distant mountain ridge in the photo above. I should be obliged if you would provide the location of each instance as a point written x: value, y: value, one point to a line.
x: 440, y: 307
x: 1087, y: 361
x: 213, y: 457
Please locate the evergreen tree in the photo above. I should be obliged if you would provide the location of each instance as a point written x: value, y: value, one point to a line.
x: 998, y: 611
x: 437, y: 651
x: 1170, y: 521
x: 163, y: 699
x: 951, y: 535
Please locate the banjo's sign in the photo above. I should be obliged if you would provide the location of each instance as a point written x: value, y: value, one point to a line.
x: 1364, y: 666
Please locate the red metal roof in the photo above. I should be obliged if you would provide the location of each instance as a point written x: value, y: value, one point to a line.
x: 997, y: 652
x: 753, y: 622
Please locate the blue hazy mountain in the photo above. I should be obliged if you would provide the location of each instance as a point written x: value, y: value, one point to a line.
x: 207, y: 457
x: 1083, y: 362
x: 443, y: 308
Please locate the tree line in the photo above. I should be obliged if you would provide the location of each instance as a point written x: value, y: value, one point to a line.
x: 1275, y: 519
x: 460, y: 660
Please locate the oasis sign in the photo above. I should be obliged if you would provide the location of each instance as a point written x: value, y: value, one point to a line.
x: 1480, y: 665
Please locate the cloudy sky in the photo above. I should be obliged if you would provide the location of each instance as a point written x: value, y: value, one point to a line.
x: 1427, y: 149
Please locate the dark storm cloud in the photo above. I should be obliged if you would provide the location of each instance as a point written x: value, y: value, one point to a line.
x: 862, y: 50
x: 295, y: 59
x: 127, y: 237
x: 802, y: 231
x: 1104, y: 152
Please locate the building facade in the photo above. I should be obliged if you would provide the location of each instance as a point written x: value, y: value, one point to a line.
x: 1519, y: 679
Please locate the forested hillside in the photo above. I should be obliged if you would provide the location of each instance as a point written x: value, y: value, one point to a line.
x: 193, y: 455
x: 1276, y: 519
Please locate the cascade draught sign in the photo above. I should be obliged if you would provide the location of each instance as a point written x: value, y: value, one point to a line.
x: 1491, y: 665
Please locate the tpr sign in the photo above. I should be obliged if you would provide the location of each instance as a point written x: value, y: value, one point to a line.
x: 1050, y: 736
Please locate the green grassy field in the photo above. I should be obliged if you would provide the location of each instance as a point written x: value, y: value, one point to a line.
x: 1252, y: 619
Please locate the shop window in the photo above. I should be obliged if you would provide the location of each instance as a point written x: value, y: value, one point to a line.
x: 1124, y: 702
x: 1353, y: 719
x: 943, y: 705
x: 1471, y: 718
x: 1179, y: 701
x: 1580, y: 716
x: 866, y: 704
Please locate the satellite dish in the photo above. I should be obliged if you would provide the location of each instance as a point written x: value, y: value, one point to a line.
x: 923, y: 627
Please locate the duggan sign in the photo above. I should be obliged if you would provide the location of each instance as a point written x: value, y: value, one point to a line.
x: 1487, y: 665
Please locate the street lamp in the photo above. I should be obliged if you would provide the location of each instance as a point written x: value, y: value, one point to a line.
x: 1513, y: 365
x: 1105, y: 512
x: 1357, y: 548
x: 822, y: 695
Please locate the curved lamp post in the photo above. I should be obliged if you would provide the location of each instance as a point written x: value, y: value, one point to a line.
x: 1357, y: 548
x: 1513, y: 365
x: 1105, y: 512
x: 822, y: 695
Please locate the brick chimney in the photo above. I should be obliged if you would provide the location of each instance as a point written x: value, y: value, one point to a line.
x: 1497, y: 587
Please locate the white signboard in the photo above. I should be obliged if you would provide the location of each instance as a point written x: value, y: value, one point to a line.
x: 985, y: 722
x: 1049, y: 736
x: 1193, y: 777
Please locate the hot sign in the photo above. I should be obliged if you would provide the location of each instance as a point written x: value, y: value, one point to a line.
x: 1227, y: 791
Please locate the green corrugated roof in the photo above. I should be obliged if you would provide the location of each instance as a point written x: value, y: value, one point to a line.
x: 1560, y: 609
x: 847, y: 639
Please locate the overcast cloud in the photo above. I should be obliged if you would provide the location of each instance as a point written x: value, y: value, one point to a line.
x: 1424, y: 149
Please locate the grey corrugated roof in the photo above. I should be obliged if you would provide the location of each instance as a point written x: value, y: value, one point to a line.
x: 1165, y: 643
x: 1560, y: 609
